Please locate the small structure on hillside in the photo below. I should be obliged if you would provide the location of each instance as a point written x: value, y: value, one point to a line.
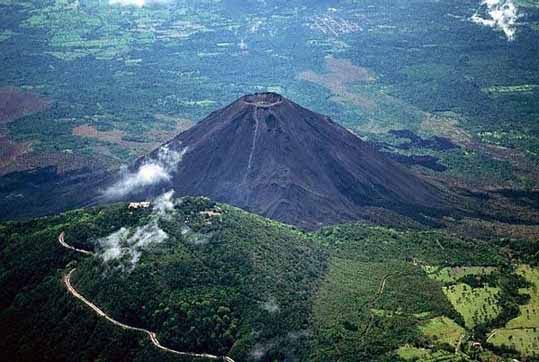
x: 216, y: 211
x: 139, y: 205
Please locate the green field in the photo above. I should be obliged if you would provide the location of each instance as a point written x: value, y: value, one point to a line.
x: 341, y: 293
x: 410, y: 353
x: 522, y: 332
x: 529, y: 313
x: 246, y: 285
x: 476, y: 305
x: 442, y: 330
x: 523, y: 340
x: 511, y: 89
x: 453, y: 274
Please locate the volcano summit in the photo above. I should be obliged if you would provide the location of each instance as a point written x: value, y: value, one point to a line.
x: 266, y: 154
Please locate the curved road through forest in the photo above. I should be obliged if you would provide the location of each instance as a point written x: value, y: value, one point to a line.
x: 66, y: 245
x: 99, y: 312
x: 378, y: 294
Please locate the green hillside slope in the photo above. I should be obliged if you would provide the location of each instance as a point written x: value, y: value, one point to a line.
x: 211, y: 278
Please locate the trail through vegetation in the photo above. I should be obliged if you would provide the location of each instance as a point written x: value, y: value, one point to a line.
x: 96, y: 309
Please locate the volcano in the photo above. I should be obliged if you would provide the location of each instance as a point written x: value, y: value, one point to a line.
x: 268, y: 155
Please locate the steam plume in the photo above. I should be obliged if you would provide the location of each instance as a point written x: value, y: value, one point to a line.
x: 127, y: 244
x: 498, y: 14
x: 151, y: 172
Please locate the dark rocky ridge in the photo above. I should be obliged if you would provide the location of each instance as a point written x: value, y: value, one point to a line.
x: 266, y: 154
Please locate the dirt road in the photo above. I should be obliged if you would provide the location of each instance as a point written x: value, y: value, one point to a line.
x: 370, y: 303
x: 99, y: 312
x: 66, y: 245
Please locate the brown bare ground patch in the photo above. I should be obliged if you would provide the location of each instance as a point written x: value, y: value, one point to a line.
x: 10, y: 151
x: 15, y: 103
x: 19, y: 157
x: 341, y: 73
x: 181, y: 125
x: 63, y: 161
x: 114, y: 136
x: 347, y: 72
x: 446, y: 126
x: 153, y: 138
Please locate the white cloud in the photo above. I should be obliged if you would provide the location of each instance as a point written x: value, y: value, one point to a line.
x: 127, y: 244
x: 498, y: 14
x: 137, y: 3
x: 270, y: 305
x: 111, y: 245
x: 151, y: 172
x: 196, y: 238
x: 163, y: 205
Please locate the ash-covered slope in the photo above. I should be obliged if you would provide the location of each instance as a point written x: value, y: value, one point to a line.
x: 266, y: 154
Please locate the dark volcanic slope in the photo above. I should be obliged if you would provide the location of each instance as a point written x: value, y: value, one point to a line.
x: 266, y: 154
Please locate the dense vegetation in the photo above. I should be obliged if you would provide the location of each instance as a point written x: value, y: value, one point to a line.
x: 227, y: 282
x: 214, y: 287
x: 39, y: 319
x: 447, y: 97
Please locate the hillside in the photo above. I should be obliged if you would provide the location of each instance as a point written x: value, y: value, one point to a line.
x: 210, y: 278
x: 269, y: 181
x: 208, y: 287
x: 268, y: 155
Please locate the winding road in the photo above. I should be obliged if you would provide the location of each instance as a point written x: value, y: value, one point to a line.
x: 66, y: 245
x: 378, y: 294
x: 99, y: 312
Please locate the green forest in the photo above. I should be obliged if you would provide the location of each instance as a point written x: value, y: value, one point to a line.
x: 227, y: 282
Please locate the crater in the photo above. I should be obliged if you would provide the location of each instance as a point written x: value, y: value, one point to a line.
x: 267, y: 99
